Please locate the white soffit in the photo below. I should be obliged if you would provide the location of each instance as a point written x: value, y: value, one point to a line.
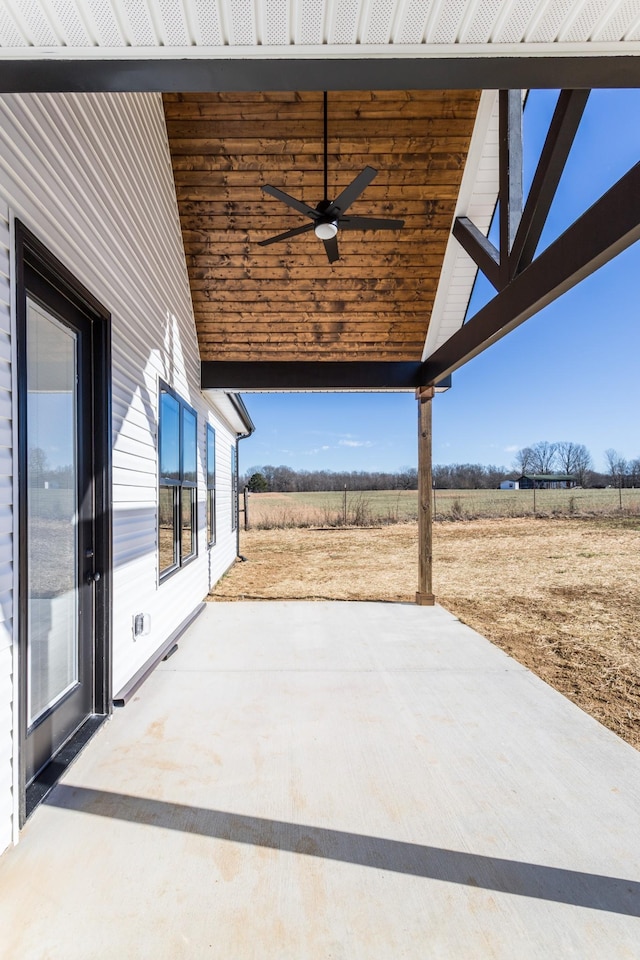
x: 231, y: 408
x: 295, y: 28
x: 477, y: 201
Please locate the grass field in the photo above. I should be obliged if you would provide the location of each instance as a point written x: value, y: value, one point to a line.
x: 270, y: 510
x: 559, y: 594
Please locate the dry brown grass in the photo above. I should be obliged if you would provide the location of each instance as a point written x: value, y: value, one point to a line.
x: 561, y: 596
x: 367, y: 507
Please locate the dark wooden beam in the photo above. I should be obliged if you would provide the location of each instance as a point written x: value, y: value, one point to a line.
x: 480, y: 249
x: 424, y: 594
x: 282, y: 375
x: 520, y: 229
x: 510, y: 192
x: 607, y: 228
x: 562, y: 131
x: 486, y: 72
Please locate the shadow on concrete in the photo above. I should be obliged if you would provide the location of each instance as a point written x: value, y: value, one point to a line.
x: 435, y: 863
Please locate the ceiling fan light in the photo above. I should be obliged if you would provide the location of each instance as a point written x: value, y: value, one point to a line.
x: 326, y: 230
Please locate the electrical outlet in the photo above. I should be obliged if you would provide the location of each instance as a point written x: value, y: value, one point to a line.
x: 141, y: 625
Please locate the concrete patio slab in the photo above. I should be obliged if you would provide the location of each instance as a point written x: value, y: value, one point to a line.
x: 349, y: 781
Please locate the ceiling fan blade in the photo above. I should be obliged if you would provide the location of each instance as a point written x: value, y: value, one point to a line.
x: 355, y: 188
x: 285, y: 236
x: 291, y: 201
x: 331, y: 246
x: 369, y: 223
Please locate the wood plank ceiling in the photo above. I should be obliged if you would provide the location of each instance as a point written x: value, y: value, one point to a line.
x: 285, y: 301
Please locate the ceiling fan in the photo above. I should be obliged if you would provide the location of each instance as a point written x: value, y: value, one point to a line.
x: 329, y: 215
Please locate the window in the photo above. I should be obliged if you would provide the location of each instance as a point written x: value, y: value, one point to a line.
x: 211, y: 485
x: 177, y: 501
x: 234, y: 489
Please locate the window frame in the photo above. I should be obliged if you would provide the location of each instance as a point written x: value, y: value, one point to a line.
x: 178, y: 485
x: 210, y: 433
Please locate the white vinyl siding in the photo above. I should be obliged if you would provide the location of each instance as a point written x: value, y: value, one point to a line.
x: 90, y: 175
x: 6, y: 538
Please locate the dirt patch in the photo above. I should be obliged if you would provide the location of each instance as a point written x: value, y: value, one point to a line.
x: 560, y: 596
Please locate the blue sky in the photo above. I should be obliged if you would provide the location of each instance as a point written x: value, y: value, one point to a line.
x: 572, y: 372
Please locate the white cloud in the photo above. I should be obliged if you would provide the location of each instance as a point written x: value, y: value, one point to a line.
x: 355, y: 443
x: 512, y: 448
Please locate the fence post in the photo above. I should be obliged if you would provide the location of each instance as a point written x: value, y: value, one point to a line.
x: 246, y: 507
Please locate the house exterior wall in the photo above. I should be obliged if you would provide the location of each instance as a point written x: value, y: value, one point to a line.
x: 6, y: 537
x: 90, y: 175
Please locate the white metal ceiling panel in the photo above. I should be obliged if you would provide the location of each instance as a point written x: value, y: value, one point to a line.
x: 173, y: 13
x: 31, y: 16
x: 275, y: 22
x: 514, y: 20
x: 310, y: 21
x: 70, y: 26
x: 10, y: 35
x: 208, y: 32
x: 343, y: 30
x: 380, y: 21
x: 192, y: 28
x: 479, y: 26
x: 616, y: 23
x: 581, y: 24
x: 108, y: 32
x: 451, y: 12
x: 412, y: 23
x: 241, y: 23
x: 136, y: 14
x: 554, y: 14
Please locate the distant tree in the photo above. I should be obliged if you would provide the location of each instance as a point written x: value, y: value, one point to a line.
x: 495, y: 475
x: 634, y: 472
x: 617, y: 470
x: 408, y: 478
x: 617, y: 467
x: 38, y: 466
x: 441, y: 476
x: 257, y: 483
x: 544, y: 457
x: 268, y: 472
x: 523, y: 460
x: 284, y: 480
x: 573, y: 458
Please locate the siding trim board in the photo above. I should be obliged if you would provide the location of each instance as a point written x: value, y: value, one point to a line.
x: 10, y: 785
x: 122, y: 697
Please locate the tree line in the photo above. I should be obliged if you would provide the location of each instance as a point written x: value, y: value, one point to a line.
x: 286, y: 480
x: 563, y: 457
x: 574, y: 459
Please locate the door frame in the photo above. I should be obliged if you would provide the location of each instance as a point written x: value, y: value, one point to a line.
x: 32, y: 252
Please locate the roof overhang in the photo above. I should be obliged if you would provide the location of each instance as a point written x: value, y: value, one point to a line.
x: 232, y: 409
x: 187, y: 46
x: 193, y: 45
